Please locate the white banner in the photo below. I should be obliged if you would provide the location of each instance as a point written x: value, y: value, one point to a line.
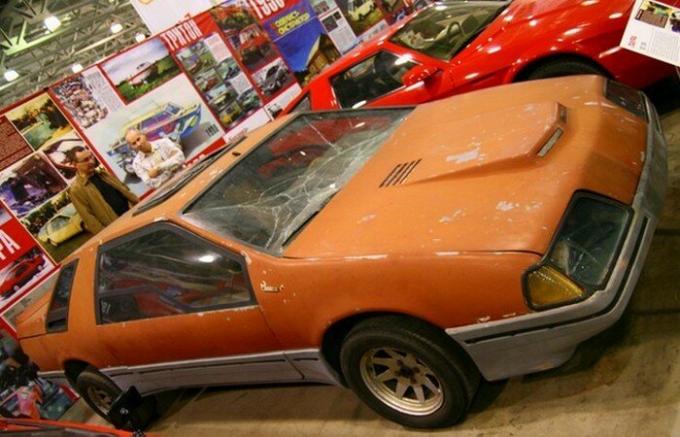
x: 158, y: 15
x: 654, y: 30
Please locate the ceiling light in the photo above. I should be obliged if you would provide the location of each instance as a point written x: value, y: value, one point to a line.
x: 52, y: 23
x: 10, y: 75
x: 139, y: 37
x: 116, y: 27
x: 76, y: 68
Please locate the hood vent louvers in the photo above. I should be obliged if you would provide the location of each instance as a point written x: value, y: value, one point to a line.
x: 399, y: 173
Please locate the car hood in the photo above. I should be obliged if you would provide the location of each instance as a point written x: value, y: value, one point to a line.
x: 465, y: 173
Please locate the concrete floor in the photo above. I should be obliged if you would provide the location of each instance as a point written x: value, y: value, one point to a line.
x: 625, y: 382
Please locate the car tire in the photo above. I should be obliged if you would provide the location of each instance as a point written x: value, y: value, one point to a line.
x: 440, y: 384
x: 99, y: 392
x: 564, y: 67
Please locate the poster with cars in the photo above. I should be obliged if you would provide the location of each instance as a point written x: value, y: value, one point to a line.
x: 252, y: 46
x: 141, y: 69
x: 336, y: 25
x: 213, y: 70
x: 22, y: 263
x: 174, y: 110
x: 303, y: 42
x: 39, y: 121
x: 654, y: 30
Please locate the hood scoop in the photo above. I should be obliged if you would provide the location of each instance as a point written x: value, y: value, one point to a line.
x: 484, y: 144
x: 399, y: 173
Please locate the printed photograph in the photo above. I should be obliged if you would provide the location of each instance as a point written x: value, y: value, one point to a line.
x: 29, y: 184
x: 57, y: 226
x: 78, y: 99
x: 653, y: 13
x: 273, y: 78
x: 173, y: 111
x: 308, y: 50
x: 228, y: 92
x: 24, y: 272
x: 232, y: 18
x: 61, y: 154
x: 39, y: 121
x: 361, y: 14
x: 142, y: 69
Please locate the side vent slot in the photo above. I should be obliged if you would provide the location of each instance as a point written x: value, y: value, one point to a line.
x: 399, y: 173
x: 547, y: 147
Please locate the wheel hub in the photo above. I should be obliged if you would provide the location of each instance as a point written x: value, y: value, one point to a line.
x: 400, y: 380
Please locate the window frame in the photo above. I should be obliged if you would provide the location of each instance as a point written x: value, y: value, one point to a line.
x: 183, y: 233
x: 48, y: 318
x: 306, y: 96
x: 373, y: 55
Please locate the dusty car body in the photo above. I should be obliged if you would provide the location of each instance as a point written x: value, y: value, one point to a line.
x: 455, y: 47
x: 401, y: 251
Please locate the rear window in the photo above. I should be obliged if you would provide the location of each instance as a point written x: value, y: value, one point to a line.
x: 57, y: 315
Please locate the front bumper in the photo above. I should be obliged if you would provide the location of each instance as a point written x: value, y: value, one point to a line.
x: 546, y: 339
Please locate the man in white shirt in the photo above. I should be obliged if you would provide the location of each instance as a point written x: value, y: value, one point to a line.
x: 156, y: 161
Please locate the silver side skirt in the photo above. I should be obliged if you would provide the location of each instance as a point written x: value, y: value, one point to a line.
x: 305, y: 365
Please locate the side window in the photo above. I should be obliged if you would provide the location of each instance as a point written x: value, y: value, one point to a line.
x: 57, y: 314
x: 370, y: 79
x: 303, y: 105
x: 164, y: 271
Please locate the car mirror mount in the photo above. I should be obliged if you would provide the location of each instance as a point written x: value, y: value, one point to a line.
x: 419, y: 73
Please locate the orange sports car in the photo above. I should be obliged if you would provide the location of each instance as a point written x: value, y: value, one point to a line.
x: 403, y: 252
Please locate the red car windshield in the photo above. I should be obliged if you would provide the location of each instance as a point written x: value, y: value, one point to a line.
x: 444, y: 29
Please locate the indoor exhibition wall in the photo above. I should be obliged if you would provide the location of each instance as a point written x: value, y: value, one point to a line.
x: 202, y: 82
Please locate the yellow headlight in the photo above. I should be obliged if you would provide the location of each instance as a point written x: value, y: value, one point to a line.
x: 548, y: 287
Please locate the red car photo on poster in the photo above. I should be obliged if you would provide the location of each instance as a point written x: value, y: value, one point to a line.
x: 20, y: 272
x: 454, y: 47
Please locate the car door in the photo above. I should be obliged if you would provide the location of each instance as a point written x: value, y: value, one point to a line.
x: 176, y: 310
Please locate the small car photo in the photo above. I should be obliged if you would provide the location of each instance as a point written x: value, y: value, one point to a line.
x: 65, y: 224
x: 405, y: 253
x: 20, y: 272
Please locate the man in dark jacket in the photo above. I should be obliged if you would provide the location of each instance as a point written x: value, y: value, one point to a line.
x: 98, y: 197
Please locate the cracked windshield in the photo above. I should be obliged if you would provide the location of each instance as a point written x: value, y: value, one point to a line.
x: 268, y: 197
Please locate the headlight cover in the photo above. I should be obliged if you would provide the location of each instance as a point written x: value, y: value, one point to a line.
x: 626, y: 97
x: 582, y: 254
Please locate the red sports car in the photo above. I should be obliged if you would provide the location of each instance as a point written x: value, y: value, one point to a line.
x: 459, y: 46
